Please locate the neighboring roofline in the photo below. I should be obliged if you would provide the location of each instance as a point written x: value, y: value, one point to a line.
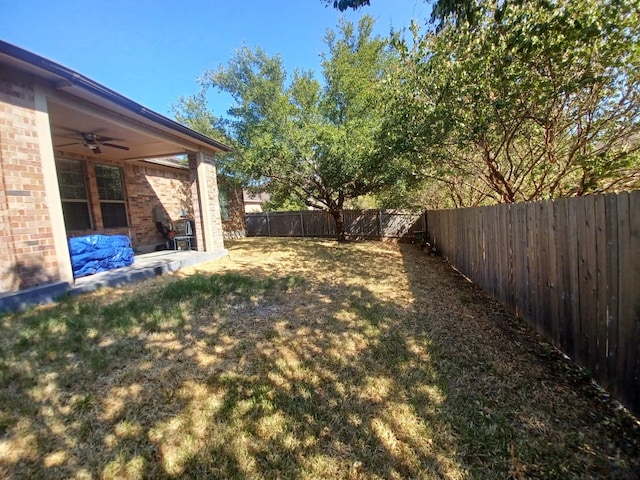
x: 103, y: 92
x: 260, y: 197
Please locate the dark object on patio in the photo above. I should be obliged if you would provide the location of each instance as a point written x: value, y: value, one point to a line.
x: 167, y: 234
x: 184, y: 232
x: 99, y: 253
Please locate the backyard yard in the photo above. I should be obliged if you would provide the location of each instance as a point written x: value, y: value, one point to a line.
x: 299, y: 359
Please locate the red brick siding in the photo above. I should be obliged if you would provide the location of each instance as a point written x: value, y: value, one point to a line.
x: 212, y: 184
x: 234, y: 227
x: 29, y: 257
x: 150, y: 187
x: 193, y: 182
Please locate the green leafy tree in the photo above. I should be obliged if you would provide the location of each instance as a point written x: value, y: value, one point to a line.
x: 343, y: 5
x: 305, y: 140
x: 534, y: 100
x: 457, y: 11
x: 193, y: 112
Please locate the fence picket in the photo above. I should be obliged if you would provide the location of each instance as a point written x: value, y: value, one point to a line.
x: 589, y: 286
x: 543, y: 235
x: 632, y: 302
x: 570, y: 267
x: 567, y: 342
x: 600, y: 369
x: 574, y: 284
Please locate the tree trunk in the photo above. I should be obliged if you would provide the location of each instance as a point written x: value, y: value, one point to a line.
x: 338, y: 216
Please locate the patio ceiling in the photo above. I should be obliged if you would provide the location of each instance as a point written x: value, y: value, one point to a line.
x: 69, y: 122
x: 77, y: 105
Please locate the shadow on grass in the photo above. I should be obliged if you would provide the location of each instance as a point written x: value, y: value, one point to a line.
x: 353, y: 361
x: 517, y: 406
x: 223, y: 376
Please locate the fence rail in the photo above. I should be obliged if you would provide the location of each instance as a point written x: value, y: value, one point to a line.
x: 375, y: 224
x: 569, y: 267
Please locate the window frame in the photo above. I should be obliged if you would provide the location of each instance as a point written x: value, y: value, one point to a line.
x: 86, y: 201
x: 225, y: 206
x: 111, y: 201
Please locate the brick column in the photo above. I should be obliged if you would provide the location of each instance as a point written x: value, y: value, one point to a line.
x: 206, y: 207
x: 51, y: 187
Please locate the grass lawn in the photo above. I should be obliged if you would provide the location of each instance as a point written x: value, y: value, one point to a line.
x: 299, y: 359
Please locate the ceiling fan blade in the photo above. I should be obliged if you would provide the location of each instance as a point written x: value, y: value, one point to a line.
x: 71, y: 137
x: 68, y: 144
x: 91, y: 137
x: 113, y: 145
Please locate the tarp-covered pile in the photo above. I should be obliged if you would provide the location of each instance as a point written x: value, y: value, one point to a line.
x: 98, y: 253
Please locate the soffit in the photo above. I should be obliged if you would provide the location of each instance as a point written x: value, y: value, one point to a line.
x: 69, y: 123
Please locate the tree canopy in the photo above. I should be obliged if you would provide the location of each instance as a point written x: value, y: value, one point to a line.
x: 299, y: 138
x: 520, y: 100
x: 535, y: 100
x: 343, y: 5
x: 442, y: 10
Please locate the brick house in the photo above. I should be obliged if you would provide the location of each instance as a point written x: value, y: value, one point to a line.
x: 75, y: 160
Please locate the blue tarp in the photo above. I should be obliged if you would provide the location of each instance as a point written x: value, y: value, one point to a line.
x: 99, y: 253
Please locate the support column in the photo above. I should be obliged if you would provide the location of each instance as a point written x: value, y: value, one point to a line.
x: 207, y: 210
x: 52, y: 190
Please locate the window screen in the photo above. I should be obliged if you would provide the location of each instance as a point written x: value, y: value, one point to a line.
x: 111, y: 195
x: 223, y: 198
x: 73, y: 193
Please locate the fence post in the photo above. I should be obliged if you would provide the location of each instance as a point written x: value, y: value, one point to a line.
x: 268, y: 225
x: 302, y: 223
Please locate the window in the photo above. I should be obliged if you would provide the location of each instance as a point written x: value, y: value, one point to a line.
x: 111, y: 196
x: 73, y: 193
x: 223, y: 198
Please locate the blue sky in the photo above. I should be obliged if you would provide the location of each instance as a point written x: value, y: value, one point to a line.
x: 153, y: 51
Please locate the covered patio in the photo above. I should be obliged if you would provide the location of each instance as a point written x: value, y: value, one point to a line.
x: 146, y: 265
x: 85, y: 160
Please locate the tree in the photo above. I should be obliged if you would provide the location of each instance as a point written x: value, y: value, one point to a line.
x: 303, y: 139
x: 534, y: 100
x: 457, y: 11
x: 193, y: 112
x: 343, y: 5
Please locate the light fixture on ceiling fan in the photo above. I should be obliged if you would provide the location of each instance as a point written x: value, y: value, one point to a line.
x: 93, y: 141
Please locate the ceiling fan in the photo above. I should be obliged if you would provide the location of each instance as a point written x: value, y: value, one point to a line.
x: 93, y: 141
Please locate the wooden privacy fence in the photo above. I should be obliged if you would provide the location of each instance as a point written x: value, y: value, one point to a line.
x: 569, y: 267
x: 314, y: 223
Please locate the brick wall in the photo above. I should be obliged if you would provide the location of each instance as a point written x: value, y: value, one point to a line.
x: 234, y: 226
x: 212, y: 184
x: 28, y: 257
x: 149, y: 187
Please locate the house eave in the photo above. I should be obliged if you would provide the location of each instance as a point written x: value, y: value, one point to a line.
x: 73, y: 83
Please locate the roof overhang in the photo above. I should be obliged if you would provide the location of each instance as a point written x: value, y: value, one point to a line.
x: 77, y: 104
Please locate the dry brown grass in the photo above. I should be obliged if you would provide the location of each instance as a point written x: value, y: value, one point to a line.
x: 299, y: 359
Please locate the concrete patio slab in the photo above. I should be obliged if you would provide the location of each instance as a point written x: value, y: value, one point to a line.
x: 144, y: 266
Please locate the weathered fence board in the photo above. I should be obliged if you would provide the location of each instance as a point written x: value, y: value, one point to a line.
x: 570, y: 267
x: 372, y: 224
